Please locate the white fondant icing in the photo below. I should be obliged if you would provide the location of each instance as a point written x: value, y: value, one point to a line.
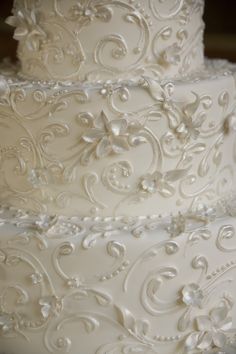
x: 104, y: 286
x: 73, y: 149
x: 88, y: 40
x: 117, y: 182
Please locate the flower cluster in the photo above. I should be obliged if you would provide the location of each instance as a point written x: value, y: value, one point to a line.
x: 45, y: 223
x: 38, y: 177
x: 171, y: 55
x: 189, y: 126
x: 115, y: 136
x: 27, y: 28
x: 161, y: 182
x: 211, y: 330
x: 86, y: 13
x: 177, y: 225
x: 192, y: 295
x: 184, y: 121
x: 8, y: 323
x: 50, y: 306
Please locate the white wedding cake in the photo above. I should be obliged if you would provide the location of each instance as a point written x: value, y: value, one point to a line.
x: 117, y: 182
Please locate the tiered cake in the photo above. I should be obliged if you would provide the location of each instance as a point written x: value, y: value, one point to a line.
x: 117, y: 175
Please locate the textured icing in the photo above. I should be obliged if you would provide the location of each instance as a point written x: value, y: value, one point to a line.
x: 126, y: 240
x: 74, y: 147
x: 101, y: 39
x: 124, y: 285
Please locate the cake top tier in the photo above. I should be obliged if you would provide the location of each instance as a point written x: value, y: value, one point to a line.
x: 108, y: 39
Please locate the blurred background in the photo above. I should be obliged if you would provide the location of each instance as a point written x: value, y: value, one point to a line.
x: 220, y: 37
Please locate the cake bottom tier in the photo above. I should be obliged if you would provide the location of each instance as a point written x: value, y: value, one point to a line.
x: 117, y: 285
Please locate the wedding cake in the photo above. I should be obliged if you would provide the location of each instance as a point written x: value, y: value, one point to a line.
x: 117, y: 182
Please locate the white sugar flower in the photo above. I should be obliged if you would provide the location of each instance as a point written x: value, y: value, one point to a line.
x: 148, y: 184
x: 185, y: 122
x: 204, y: 213
x: 177, y: 225
x: 27, y: 28
x: 7, y: 323
x: 192, y: 295
x: 36, y: 278
x: 107, y: 89
x: 211, y: 331
x: 190, y: 125
x: 115, y: 136
x: 161, y: 182
x: 171, y: 55
x: 79, y: 11
x: 50, y: 306
x: 86, y: 13
x: 74, y: 283
x: 38, y: 177
x: 45, y: 222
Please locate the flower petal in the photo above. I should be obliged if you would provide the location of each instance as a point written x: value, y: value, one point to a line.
x: 86, y: 155
x: 227, y: 324
x: 12, y: 21
x: 182, y: 130
x: 22, y: 16
x: 119, y: 144
x: 192, y: 340
x: 155, y: 89
x: 92, y: 135
x: 191, y: 108
x: 165, y: 189
x: 135, y: 140
x: 126, y: 319
x: 173, y: 114
x: 20, y: 32
x: 134, y: 127
x: 219, y: 339
x: 205, y: 340
x: 45, y: 310
x: 192, y: 294
x: 104, y: 147
x: 105, y: 122
x: 175, y: 175
x: 148, y: 184
x: 203, y: 323
x: 32, y: 18
x: 184, y: 321
x: 118, y: 127
x: 194, y: 133
x: 218, y: 315
x: 32, y: 43
x: 172, y: 55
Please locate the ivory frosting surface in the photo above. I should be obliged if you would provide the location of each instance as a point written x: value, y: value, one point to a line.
x: 91, y: 40
x: 73, y: 148
x: 117, y: 182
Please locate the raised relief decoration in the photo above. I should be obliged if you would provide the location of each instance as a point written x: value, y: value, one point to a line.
x: 126, y: 38
x: 117, y: 182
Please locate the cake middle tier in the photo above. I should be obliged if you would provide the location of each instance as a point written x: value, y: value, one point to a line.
x: 91, y: 40
x: 125, y: 148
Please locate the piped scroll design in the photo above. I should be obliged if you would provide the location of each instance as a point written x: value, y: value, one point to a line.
x: 55, y: 39
x: 86, y: 298
x: 109, y: 136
